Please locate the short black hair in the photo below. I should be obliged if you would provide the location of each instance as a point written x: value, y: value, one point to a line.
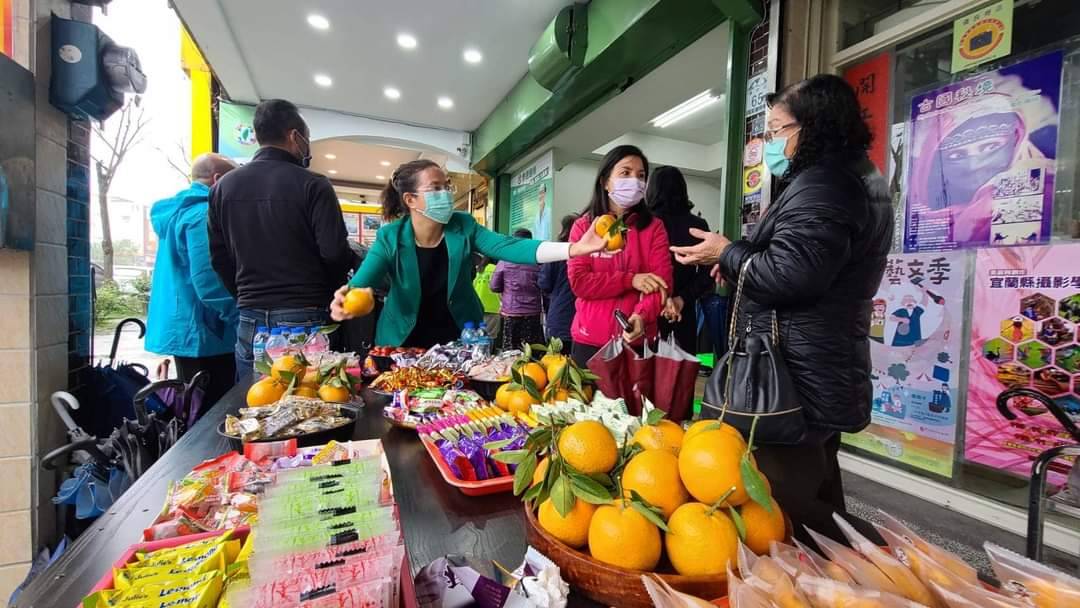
x: 274, y: 118
x: 523, y: 233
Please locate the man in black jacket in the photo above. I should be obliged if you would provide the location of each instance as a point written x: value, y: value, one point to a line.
x: 277, y: 236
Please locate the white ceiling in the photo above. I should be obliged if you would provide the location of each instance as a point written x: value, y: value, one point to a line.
x: 706, y: 126
x: 262, y: 49
x: 359, y: 162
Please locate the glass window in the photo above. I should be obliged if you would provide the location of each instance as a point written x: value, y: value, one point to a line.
x: 861, y: 19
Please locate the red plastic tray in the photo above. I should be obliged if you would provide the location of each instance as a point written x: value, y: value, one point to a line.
x: 469, y: 488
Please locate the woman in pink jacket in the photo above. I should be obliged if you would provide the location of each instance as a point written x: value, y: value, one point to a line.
x: 633, y: 280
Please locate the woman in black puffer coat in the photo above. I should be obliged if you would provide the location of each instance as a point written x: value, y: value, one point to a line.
x: 816, y: 257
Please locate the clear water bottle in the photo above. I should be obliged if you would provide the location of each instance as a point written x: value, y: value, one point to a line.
x: 278, y: 343
x: 483, y: 341
x: 297, y: 338
x: 468, y: 335
x: 318, y: 343
x: 258, y: 343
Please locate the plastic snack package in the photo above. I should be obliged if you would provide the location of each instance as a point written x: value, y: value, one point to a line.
x: 263, y: 562
x: 161, y: 556
x: 974, y: 596
x: 205, y: 596
x: 212, y: 558
x: 827, y: 593
x: 793, y: 560
x: 949, y: 561
x: 786, y: 595
x: 373, y: 593
x: 663, y: 596
x: 905, y: 580
x: 747, y: 560
x: 743, y: 595
x: 865, y: 573
x: 827, y: 568
x: 171, y: 589
x: 924, y: 566
x: 1037, y: 584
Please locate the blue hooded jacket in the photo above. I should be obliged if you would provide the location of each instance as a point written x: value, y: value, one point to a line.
x: 191, y: 314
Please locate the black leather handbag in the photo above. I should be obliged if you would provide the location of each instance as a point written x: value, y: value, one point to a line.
x: 751, y: 381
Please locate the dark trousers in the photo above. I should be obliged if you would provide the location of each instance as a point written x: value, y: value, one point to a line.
x: 581, y: 353
x: 220, y: 368
x: 251, y: 319
x: 806, y: 481
x: 517, y: 331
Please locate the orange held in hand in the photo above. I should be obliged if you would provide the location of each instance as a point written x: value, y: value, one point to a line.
x: 359, y: 302
x: 612, y: 230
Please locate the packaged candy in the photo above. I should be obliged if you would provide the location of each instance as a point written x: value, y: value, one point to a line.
x: 792, y: 559
x: 827, y: 568
x: 1037, y: 584
x: 824, y: 592
x: 974, y: 596
x: 172, y: 589
x: 786, y: 595
x: 924, y: 567
x: 743, y: 595
x: 905, y: 580
x: 865, y: 573
x: 949, y: 561
x: 212, y: 558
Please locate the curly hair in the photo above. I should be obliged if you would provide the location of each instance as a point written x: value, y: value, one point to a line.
x: 831, y: 121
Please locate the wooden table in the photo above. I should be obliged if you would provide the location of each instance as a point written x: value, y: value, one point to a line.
x: 436, y: 518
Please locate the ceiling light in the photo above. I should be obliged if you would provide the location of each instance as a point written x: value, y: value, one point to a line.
x: 697, y: 102
x: 391, y: 93
x: 331, y: 156
x: 473, y: 56
x: 323, y: 80
x: 380, y: 177
x: 384, y: 163
x: 318, y: 22
x: 332, y: 171
x: 406, y: 41
x: 446, y: 103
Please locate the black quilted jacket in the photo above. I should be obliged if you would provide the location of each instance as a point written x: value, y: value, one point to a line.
x: 816, y: 258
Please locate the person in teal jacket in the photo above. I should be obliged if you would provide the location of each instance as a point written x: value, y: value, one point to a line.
x: 425, y: 251
x: 192, y: 318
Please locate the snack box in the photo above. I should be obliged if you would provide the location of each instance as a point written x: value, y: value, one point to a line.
x: 497, y: 485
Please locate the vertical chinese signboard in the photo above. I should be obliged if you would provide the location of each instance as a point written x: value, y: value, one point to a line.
x: 981, y: 156
x: 915, y: 347
x: 870, y: 79
x: 1023, y: 333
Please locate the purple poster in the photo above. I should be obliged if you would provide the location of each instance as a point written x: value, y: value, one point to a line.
x: 981, y: 164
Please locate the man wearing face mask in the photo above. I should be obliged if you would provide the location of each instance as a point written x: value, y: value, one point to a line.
x: 277, y: 236
x: 425, y: 254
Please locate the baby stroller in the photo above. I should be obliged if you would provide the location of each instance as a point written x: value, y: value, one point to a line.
x: 1067, y: 500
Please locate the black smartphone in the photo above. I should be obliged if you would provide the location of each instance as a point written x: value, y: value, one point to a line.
x: 621, y: 319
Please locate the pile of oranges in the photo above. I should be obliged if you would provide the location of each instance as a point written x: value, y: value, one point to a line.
x: 674, y: 491
x: 554, y: 378
x: 289, y: 375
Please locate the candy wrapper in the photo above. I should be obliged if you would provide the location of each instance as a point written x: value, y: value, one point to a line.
x: 495, y: 369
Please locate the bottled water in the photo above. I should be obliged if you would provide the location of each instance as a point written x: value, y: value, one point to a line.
x: 258, y: 343
x: 317, y: 344
x: 482, y: 341
x: 278, y: 344
x: 297, y: 338
x: 468, y: 335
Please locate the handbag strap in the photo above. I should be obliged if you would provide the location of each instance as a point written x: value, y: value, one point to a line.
x: 737, y: 304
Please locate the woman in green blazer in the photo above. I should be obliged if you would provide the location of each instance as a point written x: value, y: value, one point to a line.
x: 425, y: 254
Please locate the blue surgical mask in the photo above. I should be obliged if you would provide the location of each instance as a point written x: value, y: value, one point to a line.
x: 775, y: 159
x: 438, y: 206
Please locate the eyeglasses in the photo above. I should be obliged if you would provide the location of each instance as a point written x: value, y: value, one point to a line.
x: 451, y: 188
x: 771, y: 133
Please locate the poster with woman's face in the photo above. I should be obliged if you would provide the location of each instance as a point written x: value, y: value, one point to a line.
x: 981, y: 159
x: 915, y: 346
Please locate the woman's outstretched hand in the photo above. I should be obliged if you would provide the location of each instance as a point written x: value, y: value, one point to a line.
x: 337, y: 307
x: 706, y: 252
x: 590, y: 242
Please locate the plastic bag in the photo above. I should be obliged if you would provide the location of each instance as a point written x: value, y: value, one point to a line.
x: 742, y: 595
x: 974, y: 596
x: 827, y: 593
x: 905, y: 580
x: 786, y: 595
x: 865, y: 573
x: 792, y: 559
x: 663, y: 596
x: 949, y: 561
x: 925, y: 567
x: 1037, y: 584
x: 828, y: 569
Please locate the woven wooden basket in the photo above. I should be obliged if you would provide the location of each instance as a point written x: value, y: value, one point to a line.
x: 611, y: 585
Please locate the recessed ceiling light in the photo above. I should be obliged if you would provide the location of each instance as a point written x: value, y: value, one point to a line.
x: 473, y: 56
x: 446, y: 103
x: 380, y: 177
x: 331, y: 156
x: 696, y: 103
x: 391, y: 93
x: 406, y: 41
x: 323, y: 80
x: 318, y: 22
x: 332, y: 171
x: 384, y: 163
